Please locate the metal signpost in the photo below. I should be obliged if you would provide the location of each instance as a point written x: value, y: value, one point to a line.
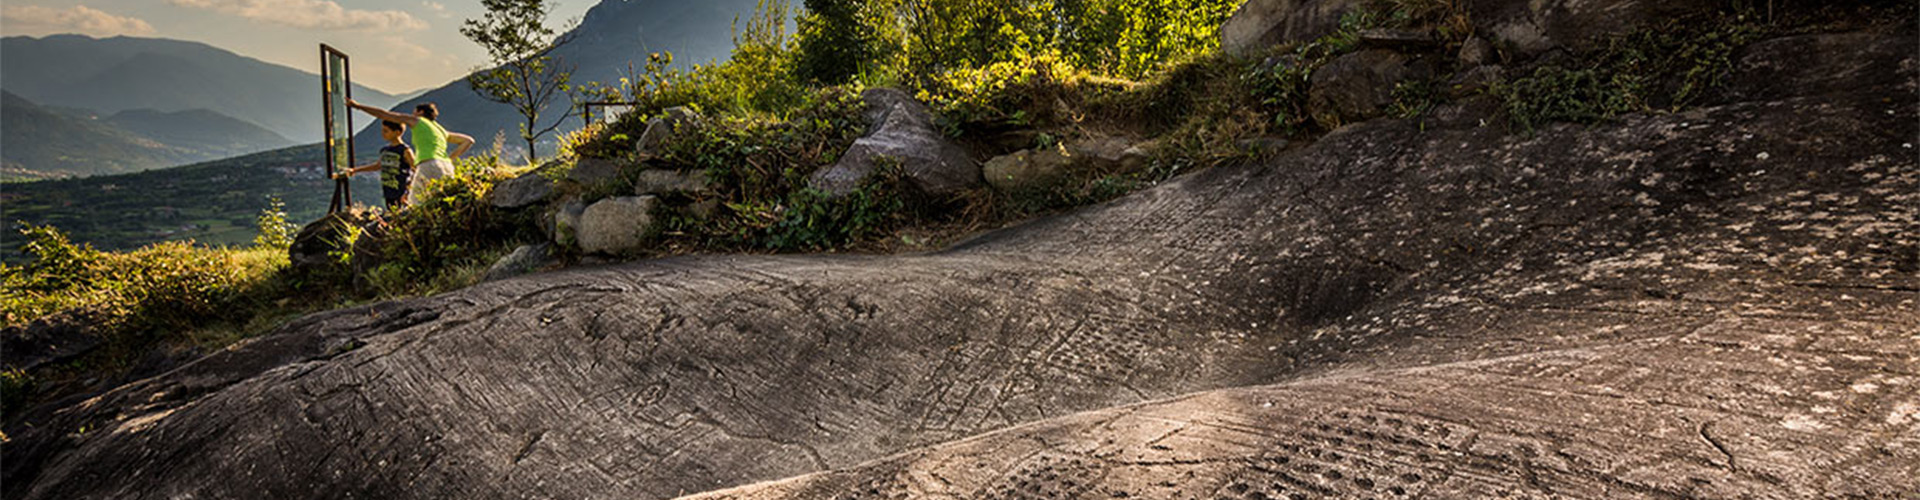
x: 335, y: 88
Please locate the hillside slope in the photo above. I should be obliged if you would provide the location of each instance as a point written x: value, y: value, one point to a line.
x: 614, y: 35
x: 209, y: 134
x: 1717, y: 303
x: 213, y: 203
x: 110, y: 75
x: 36, y: 142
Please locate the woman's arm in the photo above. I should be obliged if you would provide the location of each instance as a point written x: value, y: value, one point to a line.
x: 464, y: 142
x: 383, y: 114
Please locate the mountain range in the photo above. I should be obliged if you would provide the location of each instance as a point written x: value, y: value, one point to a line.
x: 202, y: 101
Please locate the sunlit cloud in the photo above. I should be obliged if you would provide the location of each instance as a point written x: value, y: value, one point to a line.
x: 401, y: 64
x: 31, y: 19
x: 310, y: 14
x: 439, y: 9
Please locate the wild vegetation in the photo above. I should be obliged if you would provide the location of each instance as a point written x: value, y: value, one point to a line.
x: 1003, y: 76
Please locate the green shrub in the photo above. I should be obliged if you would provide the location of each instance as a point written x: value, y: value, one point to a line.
x: 840, y: 40
x: 450, y: 222
x: 1664, y: 68
x: 164, y: 285
x: 275, y: 231
x: 810, y: 219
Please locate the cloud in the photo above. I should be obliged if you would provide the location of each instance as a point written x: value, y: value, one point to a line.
x: 77, y: 19
x: 439, y: 9
x: 310, y: 14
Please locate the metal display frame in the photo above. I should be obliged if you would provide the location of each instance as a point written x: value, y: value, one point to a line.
x: 342, y: 190
x: 587, y: 108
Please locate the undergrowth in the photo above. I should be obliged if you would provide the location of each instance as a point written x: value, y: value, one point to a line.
x: 1664, y: 68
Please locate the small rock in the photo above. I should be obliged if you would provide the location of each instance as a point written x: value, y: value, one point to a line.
x: 594, y: 171
x: 521, y: 191
x: 523, y: 259
x: 617, y: 225
x: 1100, y: 152
x: 316, y: 244
x: 1359, y: 86
x: 566, y: 222
x: 1397, y: 39
x: 676, y: 121
x: 1474, y: 81
x: 1265, y: 144
x: 704, y: 209
x: 1027, y: 170
x: 1476, y: 51
x: 664, y: 181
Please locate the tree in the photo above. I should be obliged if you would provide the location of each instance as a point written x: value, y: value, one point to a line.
x: 525, y: 74
x: 842, y: 39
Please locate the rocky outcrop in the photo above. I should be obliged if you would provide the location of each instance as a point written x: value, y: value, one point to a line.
x: 618, y: 225
x: 1359, y: 86
x: 903, y: 134
x: 1716, y: 303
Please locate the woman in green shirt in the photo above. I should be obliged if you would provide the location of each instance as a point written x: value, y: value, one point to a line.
x: 429, y: 139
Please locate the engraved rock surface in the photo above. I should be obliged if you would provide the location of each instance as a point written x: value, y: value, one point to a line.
x: 1717, y: 303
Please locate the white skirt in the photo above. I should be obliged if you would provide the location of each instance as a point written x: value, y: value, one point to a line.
x: 425, y: 173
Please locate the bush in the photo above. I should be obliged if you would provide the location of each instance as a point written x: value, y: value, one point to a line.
x: 164, y: 285
x: 1665, y: 68
x: 451, y: 222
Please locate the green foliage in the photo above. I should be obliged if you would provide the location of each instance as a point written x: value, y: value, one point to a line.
x: 840, y: 40
x: 165, y: 285
x: 810, y: 219
x: 1664, y: 68
x: 757, y: 159
x: 275, y: 231
x: 524, y: 74
x: 450, y: 222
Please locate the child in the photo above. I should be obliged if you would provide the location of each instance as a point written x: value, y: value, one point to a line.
x: 395, y: 166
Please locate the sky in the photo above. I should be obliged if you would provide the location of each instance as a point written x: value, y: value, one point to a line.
x: 397, y: 46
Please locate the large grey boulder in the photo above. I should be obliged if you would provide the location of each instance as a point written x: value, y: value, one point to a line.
x: 658, y: 181
x: 674, y: 122
x: 1260, y: 24
x: 1360, y: 85
x: 527, y: 189
x: 617, y: 225
x: 903, y: 131
x: 595, y: 171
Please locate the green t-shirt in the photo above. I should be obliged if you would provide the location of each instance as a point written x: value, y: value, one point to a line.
x: 429, y: 141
